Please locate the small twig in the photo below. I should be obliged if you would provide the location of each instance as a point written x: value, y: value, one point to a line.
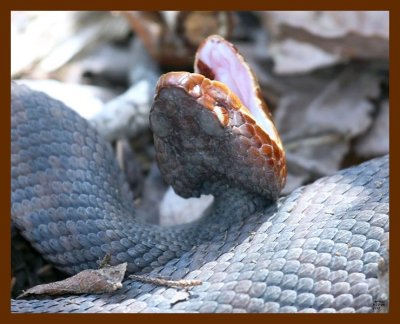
x: 183, y: 283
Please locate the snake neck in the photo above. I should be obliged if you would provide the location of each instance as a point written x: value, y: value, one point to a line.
x: 152, y: 246
x: 234, y: 202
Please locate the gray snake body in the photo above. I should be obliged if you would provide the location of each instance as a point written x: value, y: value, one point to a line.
x: 316, y: 250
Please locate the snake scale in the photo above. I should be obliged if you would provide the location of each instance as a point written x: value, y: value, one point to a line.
x: 316, y: 250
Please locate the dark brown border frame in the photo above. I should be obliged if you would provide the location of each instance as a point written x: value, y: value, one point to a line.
x: 8, y: 5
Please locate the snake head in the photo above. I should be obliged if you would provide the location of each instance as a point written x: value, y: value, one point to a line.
x: 212, y: 129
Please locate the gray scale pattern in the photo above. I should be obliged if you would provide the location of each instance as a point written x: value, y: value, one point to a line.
x: 316, y: 250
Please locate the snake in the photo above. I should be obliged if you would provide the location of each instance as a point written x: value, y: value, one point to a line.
x: 315, y: 250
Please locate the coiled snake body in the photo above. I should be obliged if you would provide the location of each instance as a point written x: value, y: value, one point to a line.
x: 316, y: 250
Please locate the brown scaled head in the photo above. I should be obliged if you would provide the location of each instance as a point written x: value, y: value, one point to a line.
x: 205, y: 133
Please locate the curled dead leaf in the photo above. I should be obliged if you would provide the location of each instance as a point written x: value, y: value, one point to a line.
x: 89, y: 281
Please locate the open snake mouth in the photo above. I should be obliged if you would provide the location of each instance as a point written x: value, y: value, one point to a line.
x: 219, y: 60
x: 213, y: 126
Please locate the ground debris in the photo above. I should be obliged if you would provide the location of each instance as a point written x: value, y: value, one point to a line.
x: 306, y: 40
x: 183, y: 283
x: 105, y: 280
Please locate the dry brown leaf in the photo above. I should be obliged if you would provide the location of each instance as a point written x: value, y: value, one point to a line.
x: 338, y: 105
x: 319, y: 114
x: 292, y: 56
x: 89, y: 281
x: 334, y: 35
x: 171, y: 37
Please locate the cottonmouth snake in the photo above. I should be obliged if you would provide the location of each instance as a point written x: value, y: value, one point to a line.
x: 316, y: 250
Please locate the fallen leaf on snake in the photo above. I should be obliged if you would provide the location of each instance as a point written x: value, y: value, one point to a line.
x: 89, y: 281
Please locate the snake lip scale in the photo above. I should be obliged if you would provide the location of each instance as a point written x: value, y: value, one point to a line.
x: 316, y: 250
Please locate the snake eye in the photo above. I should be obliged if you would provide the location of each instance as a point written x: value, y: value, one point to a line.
x: 216, y: 131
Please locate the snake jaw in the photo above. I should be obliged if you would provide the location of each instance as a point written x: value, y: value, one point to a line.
x: 204, y: 131
x: 218, y: 59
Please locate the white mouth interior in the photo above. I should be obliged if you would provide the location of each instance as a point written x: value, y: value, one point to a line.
x: 229, y: 68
